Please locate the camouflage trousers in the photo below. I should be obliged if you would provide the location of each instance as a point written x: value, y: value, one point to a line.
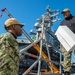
x: 67, y: 60
x: 6, y: 71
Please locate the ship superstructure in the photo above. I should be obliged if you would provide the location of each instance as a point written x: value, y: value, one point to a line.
x: 45, y: 48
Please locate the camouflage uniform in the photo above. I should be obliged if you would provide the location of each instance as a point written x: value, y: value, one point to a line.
x: 67, y: 60
x: 9, y: 55
x: 69, y: 21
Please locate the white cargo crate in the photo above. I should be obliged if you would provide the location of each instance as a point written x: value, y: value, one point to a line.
x: 66, y: 37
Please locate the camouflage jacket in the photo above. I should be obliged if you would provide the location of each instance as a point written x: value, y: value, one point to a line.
x: 9, y: 55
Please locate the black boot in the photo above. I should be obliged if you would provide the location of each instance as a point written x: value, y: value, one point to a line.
x: 66, y: 73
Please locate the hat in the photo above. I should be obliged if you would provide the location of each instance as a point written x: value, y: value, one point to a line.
x: 11, y: 21
x: 65, y: 10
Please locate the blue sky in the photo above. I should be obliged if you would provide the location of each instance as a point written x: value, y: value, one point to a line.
x: 27, y: 11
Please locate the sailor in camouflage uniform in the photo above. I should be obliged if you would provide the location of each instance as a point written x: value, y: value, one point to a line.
x: 69, y: 21
x: 9, y: 52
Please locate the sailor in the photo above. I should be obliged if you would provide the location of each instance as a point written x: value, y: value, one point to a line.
x: 9, y: 51
x: 69, y: 21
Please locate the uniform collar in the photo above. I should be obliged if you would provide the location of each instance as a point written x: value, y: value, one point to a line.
x: 14, y: 35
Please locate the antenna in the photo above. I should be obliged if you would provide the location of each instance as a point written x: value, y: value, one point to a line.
x: 6, y: 11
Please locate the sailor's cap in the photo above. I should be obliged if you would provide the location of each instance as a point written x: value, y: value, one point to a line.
x: 12, y: 21
x: 65, y: 10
